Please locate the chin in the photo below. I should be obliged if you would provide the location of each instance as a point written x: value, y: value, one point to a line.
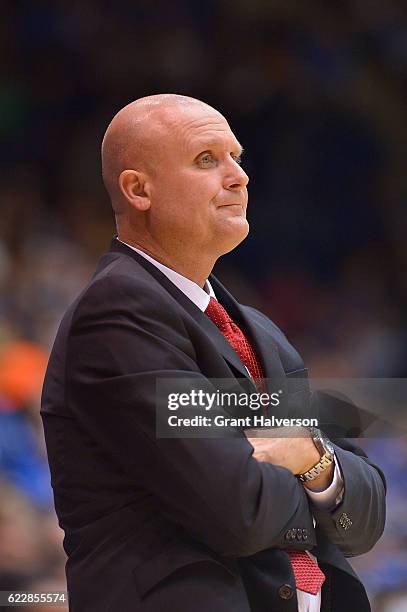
x: 234, y: 234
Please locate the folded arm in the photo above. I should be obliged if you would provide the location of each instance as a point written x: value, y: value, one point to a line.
x: 350, y: 504
x: 213, y: 488
x: 357, y: 522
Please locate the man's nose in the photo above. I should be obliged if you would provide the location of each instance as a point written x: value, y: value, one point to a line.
x: 235, y: 177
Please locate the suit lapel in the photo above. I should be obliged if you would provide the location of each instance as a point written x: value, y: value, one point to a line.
x: 295, y: 389
x: 260, y: 337
x: 220, y: 342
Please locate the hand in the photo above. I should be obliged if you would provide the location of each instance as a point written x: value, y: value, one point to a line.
x: 297, y: 454
x: 289, y: 447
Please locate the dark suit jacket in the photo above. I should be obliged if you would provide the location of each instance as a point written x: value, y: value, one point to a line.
x: 176, y: 525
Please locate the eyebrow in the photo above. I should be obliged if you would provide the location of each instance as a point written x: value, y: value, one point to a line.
x: 208, y: 144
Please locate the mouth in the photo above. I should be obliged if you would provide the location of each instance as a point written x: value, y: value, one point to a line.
x: 233, y: 205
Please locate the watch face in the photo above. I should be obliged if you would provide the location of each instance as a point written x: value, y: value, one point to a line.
x: 321, y: 441
x: 326, y: 442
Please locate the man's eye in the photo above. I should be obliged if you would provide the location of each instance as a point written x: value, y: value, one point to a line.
x: 237, y: 159
x: 206, y: 159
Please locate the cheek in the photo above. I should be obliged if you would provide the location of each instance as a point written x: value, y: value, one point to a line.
x: 187, y: 198
x: 201, y: 184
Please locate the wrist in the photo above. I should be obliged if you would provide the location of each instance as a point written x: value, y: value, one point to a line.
x: 322, y: 470
x: 312, y: 457
x: 322, y: 481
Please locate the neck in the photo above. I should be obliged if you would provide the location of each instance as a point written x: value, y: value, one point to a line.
x: 195, y: 266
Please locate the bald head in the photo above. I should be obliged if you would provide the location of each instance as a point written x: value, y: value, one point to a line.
x: 135, y: 136
x: 171, y: 165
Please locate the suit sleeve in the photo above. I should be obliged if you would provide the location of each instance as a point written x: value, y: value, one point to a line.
x: 357, y: 523
x: 122, y: 340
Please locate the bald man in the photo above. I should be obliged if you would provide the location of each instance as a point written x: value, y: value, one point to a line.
x: 189, y: 524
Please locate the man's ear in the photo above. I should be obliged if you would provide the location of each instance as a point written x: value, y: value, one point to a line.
x: 132, y: 184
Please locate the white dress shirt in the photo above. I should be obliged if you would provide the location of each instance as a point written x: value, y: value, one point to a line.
x: 328, y: 498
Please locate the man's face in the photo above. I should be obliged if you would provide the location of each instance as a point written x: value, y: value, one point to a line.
x: 198, y: 190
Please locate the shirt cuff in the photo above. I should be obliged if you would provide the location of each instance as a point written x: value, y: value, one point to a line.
x: 329, y: 498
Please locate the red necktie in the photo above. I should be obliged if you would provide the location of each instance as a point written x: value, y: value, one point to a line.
x: 235, y: 337
x: 308, y: 575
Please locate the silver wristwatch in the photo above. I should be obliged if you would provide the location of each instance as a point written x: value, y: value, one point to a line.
x: 326, y: 449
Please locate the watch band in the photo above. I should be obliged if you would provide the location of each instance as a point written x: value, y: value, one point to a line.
x: 324, y: 445
x: 316, y: 469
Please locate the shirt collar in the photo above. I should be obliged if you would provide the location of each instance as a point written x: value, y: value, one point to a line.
x: 200, y: 297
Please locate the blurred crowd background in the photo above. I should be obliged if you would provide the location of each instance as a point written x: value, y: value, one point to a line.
x: 316, y: 93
